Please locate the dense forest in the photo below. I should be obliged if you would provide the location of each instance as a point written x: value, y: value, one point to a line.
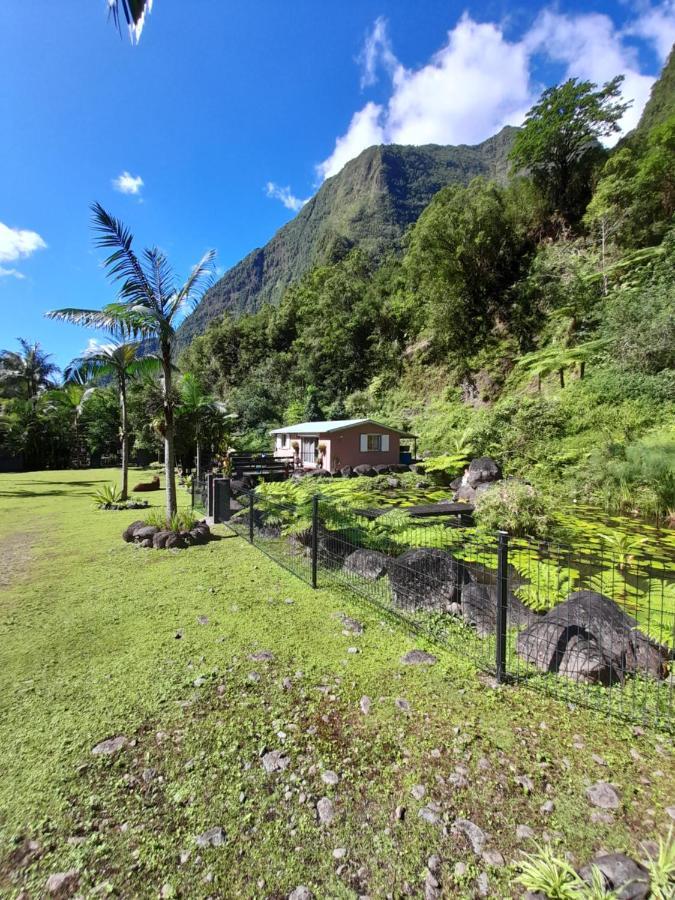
x: 530, y: 318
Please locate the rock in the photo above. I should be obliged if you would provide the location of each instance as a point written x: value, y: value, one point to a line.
x: 429, y: 814
x: 670, y: 810
x: 63, y: 884
x: 110, y: 746
x: 364, y: 705
x: 174, y: 541
x: 418, y: 658
x: 524, y: 832
x: 393, y: 483
x: 202, y: 620
x: 318, y: 473
x: 364, y: 470
x: 262, y: 656
x: 402, y: 704
x: 145, y: 532
x: 330, y: 777
x: 200, y: 534
x: 482, y: 470
x: 418, y: 791
x: 526, y: 783
x: 212, y: 837
x: 325, y: 810
x: 160, y: 538
x: 339, y: 853
x: 368, y: 564
x: 482, y: 885
x: 628, y: 878
x: 351, y: 626
x: 547, y: 808
x: 426, y: 578
x: 479, y: 609
x: 493, y: 858
x: 130, y: 530
x: 347, y: 472
x: 606, y: 646
x: 301, y: 893
x: 146, y: 543
x: 399, y: 813
x: 434, y: 863
x: 382, y: 469
x: 603, y: 795
x: 274, y: 761
x: 474, y: 834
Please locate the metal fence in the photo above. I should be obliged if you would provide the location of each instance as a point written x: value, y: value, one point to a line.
x: 589, y: 627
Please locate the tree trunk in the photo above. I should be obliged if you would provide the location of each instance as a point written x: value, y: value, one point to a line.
x: 125, y: 439
x: 169, y: 466
x: 198, y: 465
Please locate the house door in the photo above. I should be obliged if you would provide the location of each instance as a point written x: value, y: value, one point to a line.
x: 309, y: 451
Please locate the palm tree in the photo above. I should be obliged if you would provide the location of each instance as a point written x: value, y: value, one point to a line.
x: 27, y: 373
x: 120, y: 361
x: 133, y: 11
x: 149, y: 304
x: 201, y: 407
x: 68, y: 402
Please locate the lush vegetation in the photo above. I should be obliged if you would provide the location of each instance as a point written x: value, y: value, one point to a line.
x: 532, y: 321
x: 100, y: 639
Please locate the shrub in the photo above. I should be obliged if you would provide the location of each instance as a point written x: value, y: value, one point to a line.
x: 107, y: 496
x: 514, y: 506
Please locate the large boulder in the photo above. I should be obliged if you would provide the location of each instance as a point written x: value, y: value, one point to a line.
x: 468, y: 494
x: 399, y: 468
x: 347, y: 471
x: 318, y: 473
x: 368, y: 564
x: 369, y: 471
x: 160, y: 538
x: 481, y: 471
x: 479, y: 609
x: 333, y: 547
x: 607, y: 631
x: 382, y: 469
x: 147, y: 531
x: 426, y: 578
x: 130, y: 531
x: 620, y: 873
x: 175, y: 541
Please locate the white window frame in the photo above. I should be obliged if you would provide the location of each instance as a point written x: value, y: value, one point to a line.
x: 382, y: 441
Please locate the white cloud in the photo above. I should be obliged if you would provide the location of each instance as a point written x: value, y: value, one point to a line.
x: 17, y: 243
x: 591, y: 48
x: 480, y: 81
x: 376, y: 52
x: 284, y: 194
x: 126, y: 183
x: 656, y: 24
x: 14, y: 273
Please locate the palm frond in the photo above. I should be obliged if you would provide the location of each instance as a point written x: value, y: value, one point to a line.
x: 123, y: 264
x: 192, y: 291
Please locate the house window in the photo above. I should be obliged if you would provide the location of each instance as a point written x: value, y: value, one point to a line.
x: 284, y: 440
x: 374, y: 443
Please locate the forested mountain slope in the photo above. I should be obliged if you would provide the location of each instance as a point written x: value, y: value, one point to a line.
x: 369, y: 205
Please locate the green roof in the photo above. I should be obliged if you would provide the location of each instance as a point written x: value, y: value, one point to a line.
x: 334, y: 425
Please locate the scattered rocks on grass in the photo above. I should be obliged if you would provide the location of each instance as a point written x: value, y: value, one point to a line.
x: 603, y: 795
x: 418, y: 791
x: 274, y: 761
x: 364, y: 705
x: 483, y: 885
x: 212, y: 837
x: 330, y: 777
x: 351, y: 626
x: 526, y: 783
x: 622, y: 874
x: 471, y: 831
x: 547, y: 808
x: 524, y: 832
x: 418, y: 658
x: 402, y: 704
x: 110, y: 746
x: 63, y: 884
x: 202, y: 620
x: 430, y: 813
x: 301, y: 893
x: 493, y: 858
x: 145, y: 535
x: 262, y: 656
x: 339, y: 853
x: 325, y: 810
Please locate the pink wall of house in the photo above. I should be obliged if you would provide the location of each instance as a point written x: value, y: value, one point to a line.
x: 343, y: 448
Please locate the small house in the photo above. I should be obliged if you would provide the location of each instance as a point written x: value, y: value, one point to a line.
x: 344, y: 442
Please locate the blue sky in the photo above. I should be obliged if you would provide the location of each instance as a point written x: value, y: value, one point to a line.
x: 234, y: 117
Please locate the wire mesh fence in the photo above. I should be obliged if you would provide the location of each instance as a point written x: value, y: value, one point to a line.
x: 588, y: 626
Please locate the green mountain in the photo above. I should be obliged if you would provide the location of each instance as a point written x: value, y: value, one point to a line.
x: 661, y: 103
x: 369, y: 204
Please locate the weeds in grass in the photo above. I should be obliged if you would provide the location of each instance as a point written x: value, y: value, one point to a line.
x: 555, y: 877
x: 107, y: 495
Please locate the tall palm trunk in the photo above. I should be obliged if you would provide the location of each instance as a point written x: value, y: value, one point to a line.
x: 198, y: 466
x: 125, y: 436
x: 169, y: 468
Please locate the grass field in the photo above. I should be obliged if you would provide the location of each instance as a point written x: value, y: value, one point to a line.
x: 100, y: 639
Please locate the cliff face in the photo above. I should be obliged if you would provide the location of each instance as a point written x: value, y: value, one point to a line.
x: 369, y: 204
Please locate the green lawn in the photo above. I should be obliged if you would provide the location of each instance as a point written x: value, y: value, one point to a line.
x: 99, y: 638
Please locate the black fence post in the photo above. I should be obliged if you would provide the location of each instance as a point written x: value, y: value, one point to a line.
x: 315, y: 537
x: 192, y: 492
x: 502, y: 604
x: 251, y: 498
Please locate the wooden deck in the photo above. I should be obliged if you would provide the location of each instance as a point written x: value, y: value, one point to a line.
x: 426, y: 510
